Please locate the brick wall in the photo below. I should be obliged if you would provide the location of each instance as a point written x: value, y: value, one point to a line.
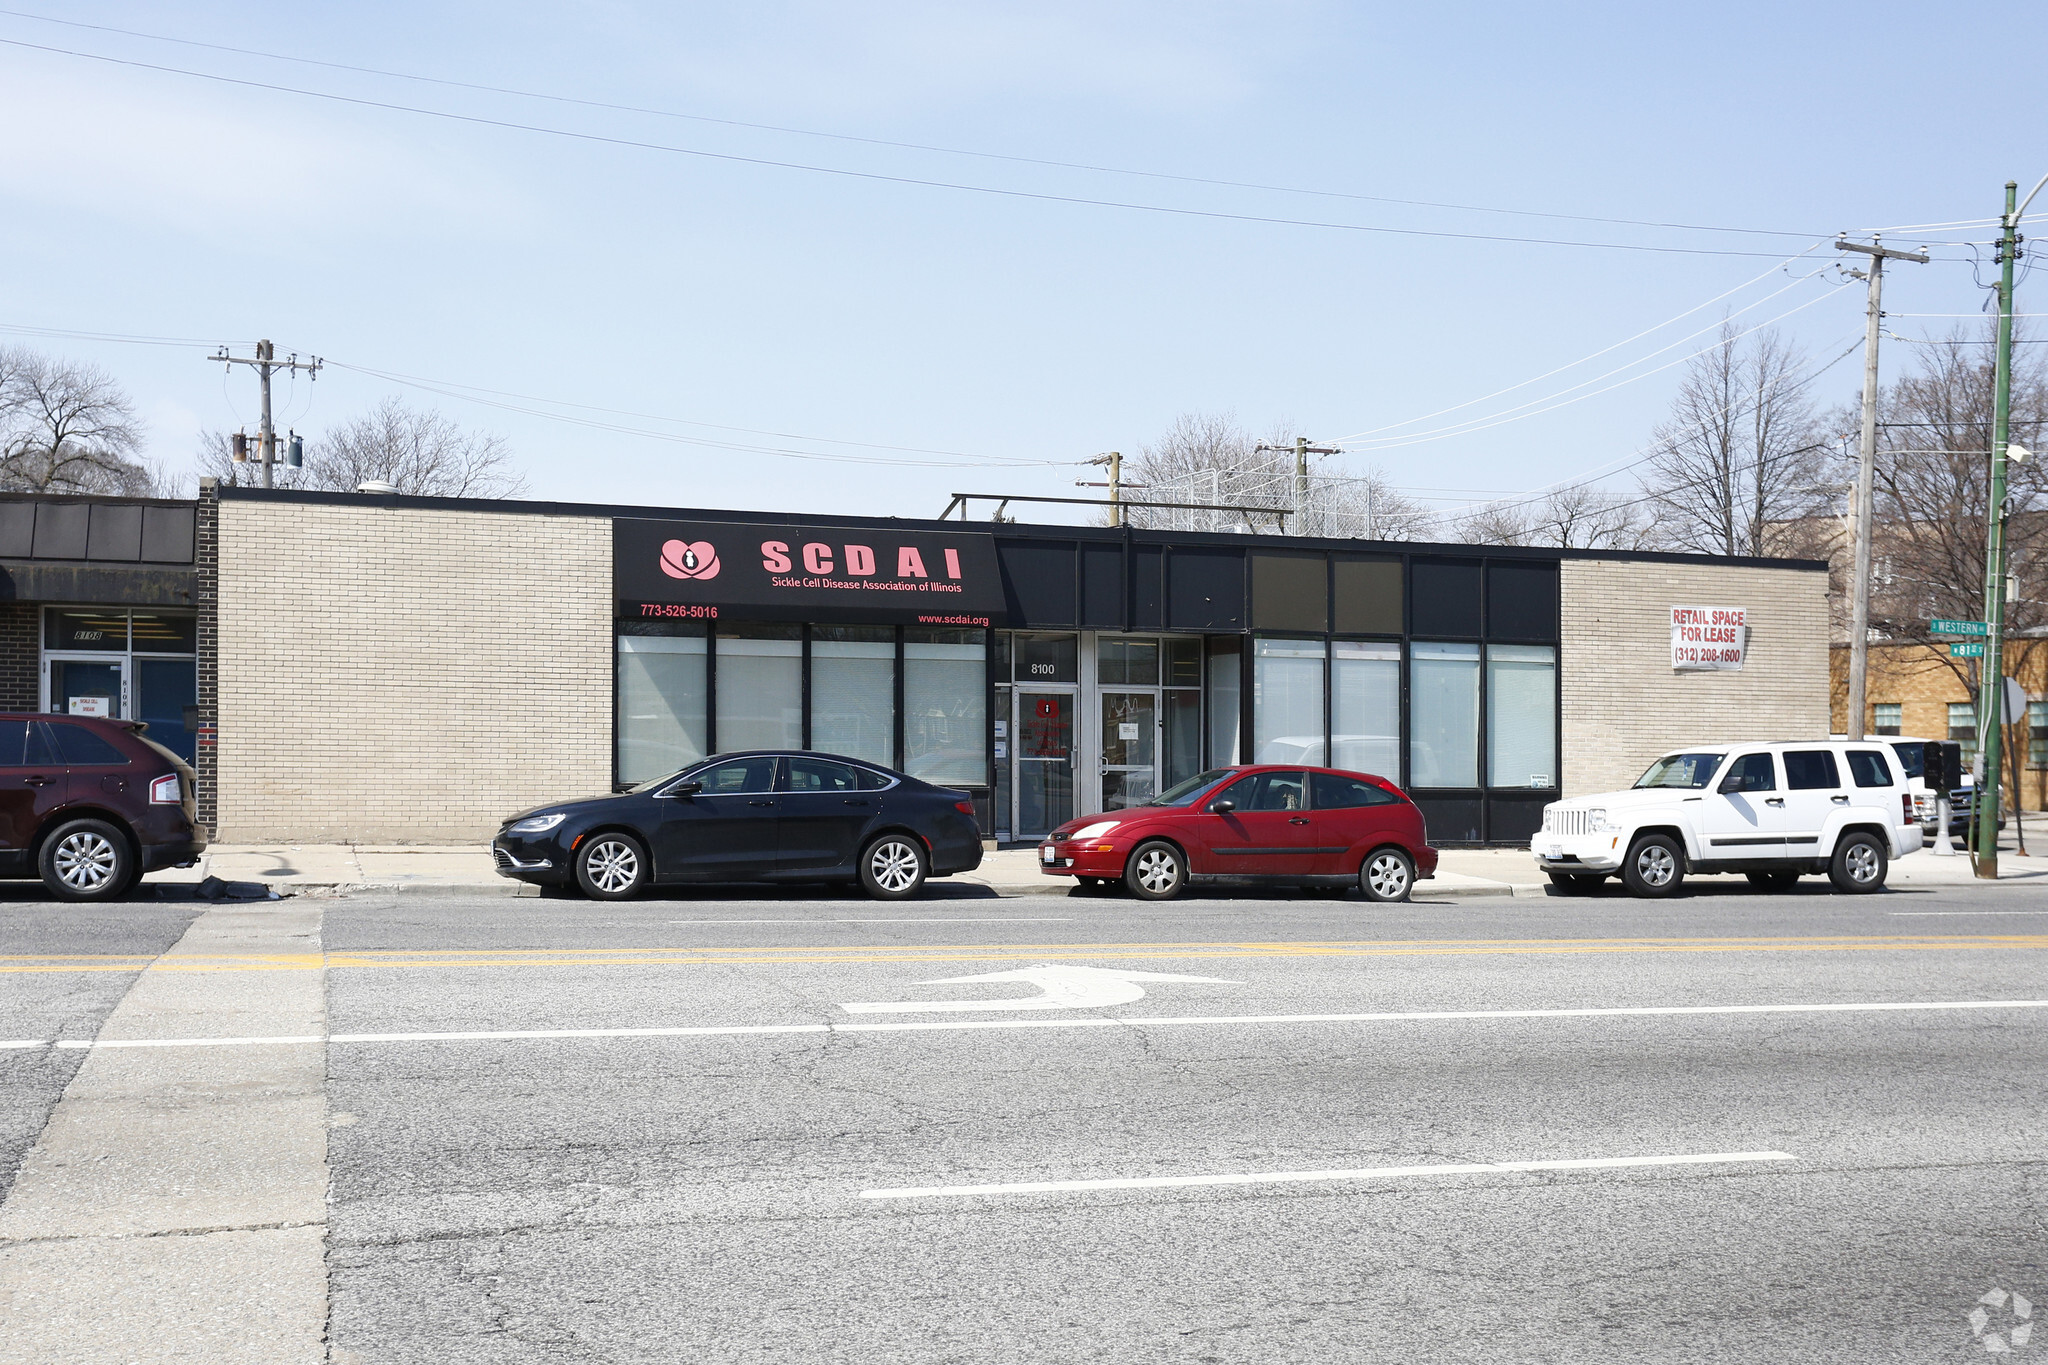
x: 1623, y: 703
x: 399, y: 674
x: 21, y: 656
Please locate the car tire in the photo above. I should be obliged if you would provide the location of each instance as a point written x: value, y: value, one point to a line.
x: 1575, y: 883
x: 612, y: 867
x: 1386, y: 875
x: 1156, y: 872
x: 1773, y: 882
x: 1859, y: 864
x: 87, y: 860
x: 893, y: 868
x: 1654, y: 868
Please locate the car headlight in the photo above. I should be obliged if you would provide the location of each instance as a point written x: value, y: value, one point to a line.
x: 537, y: 824
x: 1094, y: 831
x: 1597, y: 817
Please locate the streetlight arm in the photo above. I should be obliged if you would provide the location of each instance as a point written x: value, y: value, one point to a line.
x: 2029, y: 199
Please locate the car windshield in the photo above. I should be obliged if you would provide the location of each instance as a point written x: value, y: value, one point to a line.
x: 1184, y: 793
x: 1681, y: 770
x: 661, y: 781
x: 1912, y: 757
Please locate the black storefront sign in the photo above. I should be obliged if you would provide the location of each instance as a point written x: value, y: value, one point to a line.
x: 784, y: 571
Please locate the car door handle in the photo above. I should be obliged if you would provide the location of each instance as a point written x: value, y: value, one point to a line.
x: 760, y: 803
x: 849, y: 801
x: 38, y: 781
x: 1774, y: 800
x: 1297, y: 820
x: 1839, y: 800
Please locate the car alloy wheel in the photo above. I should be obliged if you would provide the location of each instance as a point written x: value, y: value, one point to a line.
x: 1654, y: 866
x: 1156, y: 872
x: 892, y: 868
x: 1387, y: 876
x: 1858, y: 864
x: 86, y: 861
x: 612, y: 867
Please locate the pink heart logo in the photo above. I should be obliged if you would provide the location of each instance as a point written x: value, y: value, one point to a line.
x: 699, y: 560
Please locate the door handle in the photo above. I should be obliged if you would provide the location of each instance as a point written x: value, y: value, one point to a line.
x: 849, y: 801
x: 38, y: 781
x: 1839, y: 800
x: 1297, y: 820
x: 760, y: 803
x: 1774, y: 800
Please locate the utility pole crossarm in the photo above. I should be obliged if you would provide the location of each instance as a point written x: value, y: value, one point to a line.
x: 266, y: 362
x: 1884, y: 253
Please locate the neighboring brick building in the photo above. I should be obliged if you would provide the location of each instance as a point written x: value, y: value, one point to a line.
x: 392, y: 669
x: 1916, y: 690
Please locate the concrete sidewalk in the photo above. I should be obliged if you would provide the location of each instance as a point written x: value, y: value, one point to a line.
x: 255, y: 870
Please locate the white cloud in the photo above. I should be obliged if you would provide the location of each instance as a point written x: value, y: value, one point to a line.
x: 213, y: 160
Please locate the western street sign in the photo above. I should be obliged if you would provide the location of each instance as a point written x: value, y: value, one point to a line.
x: 1940, y: 627
x: 1973, y: 649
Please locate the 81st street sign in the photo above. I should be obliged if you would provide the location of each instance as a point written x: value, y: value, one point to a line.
x: 1968, y: 649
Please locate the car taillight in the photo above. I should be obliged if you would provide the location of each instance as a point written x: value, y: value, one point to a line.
x: 164, y: 791
x: 964, y: 807
x: 1907, y: 801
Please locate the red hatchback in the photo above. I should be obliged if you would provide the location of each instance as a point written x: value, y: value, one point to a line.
x: 1309, y: 826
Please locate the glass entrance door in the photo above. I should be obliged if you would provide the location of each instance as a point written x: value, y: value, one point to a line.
x: 1130, y: 748
x: 89, y: 687
x: 1044, y: 763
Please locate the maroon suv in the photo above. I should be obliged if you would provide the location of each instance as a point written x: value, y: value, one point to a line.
x: 90, y: 805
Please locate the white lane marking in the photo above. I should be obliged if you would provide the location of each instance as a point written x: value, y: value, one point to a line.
x: 1060, y: 987
x: 1967, y: 912
x: 1128, y: 1021
x: 1156, y: 1182
x: 921, y: 919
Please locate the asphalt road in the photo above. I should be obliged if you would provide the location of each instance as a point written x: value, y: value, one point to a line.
x: 1836, y: 1184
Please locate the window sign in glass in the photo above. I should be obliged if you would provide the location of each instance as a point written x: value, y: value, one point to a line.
x: 1287, y: 701
x: 662, y: 700
x: 1443, y: 713
x: 853, y: 692
x: 1126, y: 663
x: 760, y: 688
x: 945, y: 705
x: 1047, y: 658
x: 1521, y: 716
x: 158, y: 632
x: 1365, y: 707
x: 64, y: 628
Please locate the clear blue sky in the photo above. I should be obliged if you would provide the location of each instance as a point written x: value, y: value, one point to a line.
x: 1004, y: 328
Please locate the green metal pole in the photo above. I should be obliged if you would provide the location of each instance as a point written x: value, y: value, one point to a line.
x: 1991, y: 697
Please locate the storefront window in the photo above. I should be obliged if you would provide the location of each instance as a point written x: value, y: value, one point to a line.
x: 1443, y: 712
x: 1048, y: 658
x: 945, y: 705
x: 1365, y: 715
x: 125, y: 665
x: 1287, y: 701
x: 853, y: 692
x: 1225, y: 664
x: 1521, y: 716
x: 760, y: 687
x: 68, y: 629
x: 1126, y: 663
x: 661, y: 704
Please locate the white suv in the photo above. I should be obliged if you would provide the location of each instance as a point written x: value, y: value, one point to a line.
x: 1774, y: 811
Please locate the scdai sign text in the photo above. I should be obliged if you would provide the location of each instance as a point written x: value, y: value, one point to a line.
x: 1708, y: 637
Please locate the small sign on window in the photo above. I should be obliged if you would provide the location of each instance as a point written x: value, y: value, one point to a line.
x: 92, y: 706
x: 1127, y: 729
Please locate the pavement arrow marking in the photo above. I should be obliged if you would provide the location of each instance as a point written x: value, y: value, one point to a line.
x: 1060, y: 987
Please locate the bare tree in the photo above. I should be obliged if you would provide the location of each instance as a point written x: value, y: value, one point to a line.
x: 1741, y: 454
x: 1574, y: 518
x: 1209, y: 458
x: 421, y: 453
x: 69, y: 428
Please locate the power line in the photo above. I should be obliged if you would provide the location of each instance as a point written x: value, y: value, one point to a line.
x: 884, y: 142
x: 873, y: 176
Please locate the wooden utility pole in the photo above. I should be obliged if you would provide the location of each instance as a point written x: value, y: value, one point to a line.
x: 1860, y: 511
x: 266, y: 362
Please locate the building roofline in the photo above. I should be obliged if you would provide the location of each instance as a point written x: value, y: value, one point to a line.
x: 1024, y: 530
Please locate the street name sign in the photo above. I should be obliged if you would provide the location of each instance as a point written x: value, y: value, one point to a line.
x: 1973, y: 649
x: 1941, y: 627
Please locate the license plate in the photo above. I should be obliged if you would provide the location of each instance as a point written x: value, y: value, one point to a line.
x: 1046, y: 855
x: 1554, y: 851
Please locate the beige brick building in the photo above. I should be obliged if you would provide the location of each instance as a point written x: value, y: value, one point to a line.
x: 383, y: 669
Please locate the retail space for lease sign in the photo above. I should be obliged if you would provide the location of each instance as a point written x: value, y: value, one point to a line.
x: 1708, y: 638
x: 745, y: 571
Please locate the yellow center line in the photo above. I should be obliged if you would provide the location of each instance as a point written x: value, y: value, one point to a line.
x: 756, y: 956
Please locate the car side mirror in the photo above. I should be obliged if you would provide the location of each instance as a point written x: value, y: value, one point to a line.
x: 1728, y: 785
x: 1222, y: 807
x: 686, y: 789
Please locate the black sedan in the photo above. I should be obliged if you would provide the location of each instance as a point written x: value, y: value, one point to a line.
x: 747, y: 817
